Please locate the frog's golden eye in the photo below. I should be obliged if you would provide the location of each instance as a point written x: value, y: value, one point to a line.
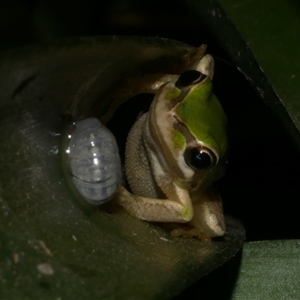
x: 200, y: 158
x: 189, y: 77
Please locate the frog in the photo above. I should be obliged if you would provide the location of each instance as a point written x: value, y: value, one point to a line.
x: 174, y: 155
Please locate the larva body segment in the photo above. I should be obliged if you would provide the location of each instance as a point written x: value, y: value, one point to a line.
x: 94, y: 162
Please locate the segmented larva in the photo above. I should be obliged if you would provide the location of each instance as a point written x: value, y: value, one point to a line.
x: 93, y: 160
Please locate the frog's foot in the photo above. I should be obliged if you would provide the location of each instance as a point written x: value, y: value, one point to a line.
x: 187, y: 230
x: 193, y: 232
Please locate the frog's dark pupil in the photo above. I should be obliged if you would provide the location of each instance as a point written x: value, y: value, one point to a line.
x: 189, y: 77
x: 200, y: 159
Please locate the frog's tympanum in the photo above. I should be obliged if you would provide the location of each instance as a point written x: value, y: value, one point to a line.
x: 175, y: 152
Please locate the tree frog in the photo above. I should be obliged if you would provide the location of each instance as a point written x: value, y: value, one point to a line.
x: 175, y: 152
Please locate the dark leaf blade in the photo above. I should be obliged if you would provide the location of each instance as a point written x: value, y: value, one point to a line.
x: 270, y: 36
x: 88, y: 253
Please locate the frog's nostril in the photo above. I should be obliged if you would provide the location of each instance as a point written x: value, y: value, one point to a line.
x: 189, y: 77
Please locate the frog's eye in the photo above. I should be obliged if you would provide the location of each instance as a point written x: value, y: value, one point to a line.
x: 200, y: 158
x: 189, y: 77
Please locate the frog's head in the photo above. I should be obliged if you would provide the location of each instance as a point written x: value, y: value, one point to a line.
x: 188, y: 127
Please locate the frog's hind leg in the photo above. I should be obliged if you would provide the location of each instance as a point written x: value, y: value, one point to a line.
x: 208, y: 213
x: 208, y: 219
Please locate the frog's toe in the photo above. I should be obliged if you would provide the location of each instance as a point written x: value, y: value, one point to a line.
x: 189, y: 233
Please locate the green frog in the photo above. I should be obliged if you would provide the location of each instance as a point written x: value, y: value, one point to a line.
x: 174, y: 154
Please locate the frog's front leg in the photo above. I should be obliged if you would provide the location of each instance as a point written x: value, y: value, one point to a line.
x: 157, y: 210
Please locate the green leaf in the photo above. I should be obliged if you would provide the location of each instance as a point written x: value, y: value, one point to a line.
x: 269, y: 270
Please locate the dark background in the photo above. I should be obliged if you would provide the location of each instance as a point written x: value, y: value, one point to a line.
x: 24, y: 22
